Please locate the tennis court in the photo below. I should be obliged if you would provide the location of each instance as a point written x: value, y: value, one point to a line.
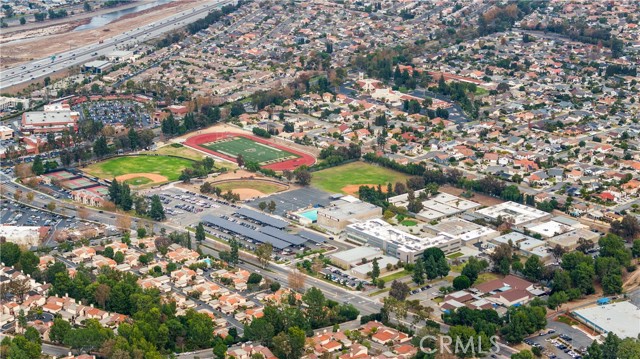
x: 61, y: 175
x: 77, y: 183
x: 251, y: 151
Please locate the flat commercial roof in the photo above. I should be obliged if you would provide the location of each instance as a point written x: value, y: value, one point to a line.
x: 287, y: 237
x: 519, y: 213
x: 313, y: 237
x: 262, y: 218
x: 355, y: 255
x: 245, y: 232
x: 621, y: 318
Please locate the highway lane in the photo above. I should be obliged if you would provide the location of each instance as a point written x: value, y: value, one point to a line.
x: 63, y: 60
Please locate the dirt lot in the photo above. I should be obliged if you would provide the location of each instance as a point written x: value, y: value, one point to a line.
x: 480, y: 198
x: 49, y: 40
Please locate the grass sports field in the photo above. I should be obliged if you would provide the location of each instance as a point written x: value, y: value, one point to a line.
x: 251, y: 151
x: 262, y: 186
x: 342, y: 179
x: 169, y: 167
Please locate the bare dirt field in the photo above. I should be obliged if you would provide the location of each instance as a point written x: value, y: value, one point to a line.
x: 353, y: 189
x: 49, y: 40
x: 246, y: 184
x: 480, y: 198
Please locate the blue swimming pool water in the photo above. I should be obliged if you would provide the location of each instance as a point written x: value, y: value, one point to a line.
x: 311, y: 214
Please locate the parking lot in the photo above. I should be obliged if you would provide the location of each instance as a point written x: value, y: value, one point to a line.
x: 21, y: 215
x: 339, y: 276
x: 187, y: 208
x: 560, y: 341
x: 118, y: 112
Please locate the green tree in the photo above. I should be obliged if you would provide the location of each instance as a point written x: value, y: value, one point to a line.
x: 418, y: 272
x: 582, y: 277
x: 635, y: 249
x: 100, y: 147
x: 399, y: 290
x: 29, y: 262
x: 511, y: 193
x: 200, y: 233
x: 443, y: 267
x: 533, y: 268
x: 375, y: 269
x: 59, y: 330
x: 473, y: 268
x: 272, y: 206
x: 316, y: 301
x: 220, y: 350
x: 32, y: 335
x: 260, y: 330
x: 9, y: 253
x: 114, y: 191
x: 431, y: 268
x: 629, y: 348
x: 461, y: 282
x: 291, y: 344
x: 118, y: 257
x: 264, y: 253
x: 38, y: 166
x: 613, y: 246
x: 628, y: 228
x: 557, y: 299
x: 234, y: 256
x: 523, y: 354
x: 157, y: 211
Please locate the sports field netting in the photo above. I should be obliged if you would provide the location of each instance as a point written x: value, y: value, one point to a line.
x: 251, y: 151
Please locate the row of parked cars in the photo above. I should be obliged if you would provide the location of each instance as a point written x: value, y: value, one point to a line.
x: 418, y: 290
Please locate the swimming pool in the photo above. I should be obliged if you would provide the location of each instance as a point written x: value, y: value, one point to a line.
x: 310, y: 214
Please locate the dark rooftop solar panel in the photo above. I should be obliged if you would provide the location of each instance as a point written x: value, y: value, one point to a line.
x: 314, y: 237
x: 262, y: 218
x: 295, y: 240
x: 245, y: 232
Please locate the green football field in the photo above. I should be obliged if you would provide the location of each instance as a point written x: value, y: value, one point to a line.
x: 251, y: 151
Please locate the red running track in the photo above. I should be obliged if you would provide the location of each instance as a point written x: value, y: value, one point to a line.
x: 304, y: 159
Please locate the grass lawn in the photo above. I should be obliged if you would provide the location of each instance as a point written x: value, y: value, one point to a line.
x: 438, y: 300
x: 480, y: 91
x: 184, y: 152
x: 408, y: 222
x: 485, y: 277
x: 138, y: 181
x: 391, y: 277
x: 264, y: 187
x: 251, y: 151
x: 455, y: 255
x: 334, y: 179
x: 169, y: 167
x: 384, y: 290
x: 457, y: 268
x: 566, y: 320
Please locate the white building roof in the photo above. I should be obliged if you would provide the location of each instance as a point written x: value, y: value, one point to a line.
x: 517, y: 212
x: 621, y: 318
x: 388, y: 233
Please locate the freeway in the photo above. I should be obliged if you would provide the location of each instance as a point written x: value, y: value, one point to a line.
x: 60, y: 62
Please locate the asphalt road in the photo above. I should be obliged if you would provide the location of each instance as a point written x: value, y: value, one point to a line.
x: 278, y: 273
x: 46, y: 66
